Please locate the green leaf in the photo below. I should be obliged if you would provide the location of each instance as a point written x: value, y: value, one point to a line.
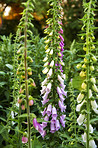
x: 77, y: 82
x: 2, y: 73
x: 2, y: 83
x: 93, y: 120
x: 9, y: 66
x: 23, y: 115
x: 8, y: 146
x: 36, y: 143
x: 2, y: 119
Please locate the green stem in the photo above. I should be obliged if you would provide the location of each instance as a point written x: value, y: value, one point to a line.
x: 87, y: 74
x: 26, y: 83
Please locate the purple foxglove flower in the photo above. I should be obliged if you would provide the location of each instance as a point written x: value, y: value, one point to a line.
x: 43, y: 133
x: 53, y: 119
x: 44, y: 112
x: 59, y: 91
x: 45, y: 101
x: 61, y: 38
x: 54, y: 112
x: 49, y: 109
x: 35, y: 123
x: 56, y: 64
x: 62, y: 121
x: 62, y: 49
x: 62, y: 85
x: 45, y: 96
x: 61, y: 106
x: 57, y: 124
x: 52, y: 128
x: 40, y: 128
x: 60, y: 67
x: 43, y: 90
x: 24, y: 139
x: 60, y: 79
x: 60, y: 22
x: 48, y: 89
x: 63, y: 116
x: 61, y: 98
x: 44, y: 124
x: 61, y: 31
x: 63, y: 92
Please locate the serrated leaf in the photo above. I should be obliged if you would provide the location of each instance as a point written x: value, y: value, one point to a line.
x: 9, y: 66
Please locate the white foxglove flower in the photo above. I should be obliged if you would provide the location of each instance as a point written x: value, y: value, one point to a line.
x: 44, y: 82
x: 78, y: 107
x: 95, y: 88
x: 92, y: 144
x: 91, y: 128
x: 52, y: 63
x: 80, y: 97
x: 84, y: 137
x: 95, y: 110
x: 47, y: 51
x: 51, y: 52
x: 80, y: 119
x: 49, y: 73
x: 47, y: 41
x: 45, y: 59
x: 43, y: 90
x: 90, y: 93
x: 45, y: 70
x: 51, y: 33
x: 60, y: 79
x: 46, y: 64
x: 94, y: 104
x: 93, y: 80
x: 48, y: 87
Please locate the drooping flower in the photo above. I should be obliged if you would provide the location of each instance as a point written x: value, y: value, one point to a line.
x: 80, y: 119
x: 24, y: 139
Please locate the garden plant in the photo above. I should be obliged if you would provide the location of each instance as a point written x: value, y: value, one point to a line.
x: 49, y: 88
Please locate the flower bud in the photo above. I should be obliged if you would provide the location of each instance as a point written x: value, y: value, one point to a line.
x: 31, y: 102
x: 84, y: 48
x: 82, y: 74
x: 83, y: 66
x: 19, y: 101
x: 83, y: 85
x: 78, y: 66
x: 92, y: 68
x: 47, y: 41
x: 93, y: 80
x: 94, y: 59
x: 95, y: 88
x: 23, y: 107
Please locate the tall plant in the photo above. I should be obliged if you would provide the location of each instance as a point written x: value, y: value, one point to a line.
x: 52, y: 92
x: 86, y: 98
x: 24, y: 72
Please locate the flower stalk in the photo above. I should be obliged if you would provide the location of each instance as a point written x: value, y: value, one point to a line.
x: 88, y: 87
